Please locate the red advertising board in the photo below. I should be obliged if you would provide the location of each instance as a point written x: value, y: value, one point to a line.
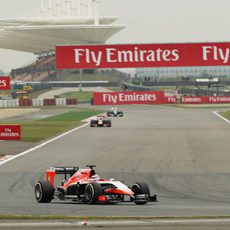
x: 156, y: 97
x: 130, y: 97
x: 171, y: 100
x: 10, y: 132
x: 4, y: 83
x: 142, y: 55
x: 205, y: 100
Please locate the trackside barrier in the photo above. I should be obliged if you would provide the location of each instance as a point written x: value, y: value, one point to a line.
x: 72, y: 101
x: 25, y: 102
x: 154, y: 97
x: 107, y: 99
x: 49, y: 102
x: 205, y: 100
x: 9, y: 103
x: 113, y: 99
x: 38, y: 102
x: 60, y: 101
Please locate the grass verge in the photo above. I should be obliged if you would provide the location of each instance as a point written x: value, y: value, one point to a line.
x: 80, y: 95
x: 38, y: 130
x: 225, y: 114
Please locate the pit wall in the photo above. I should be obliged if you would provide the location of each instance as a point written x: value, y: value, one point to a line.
x: 37, y: 102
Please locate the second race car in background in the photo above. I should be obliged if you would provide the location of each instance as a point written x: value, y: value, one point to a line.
x: 114, y: 112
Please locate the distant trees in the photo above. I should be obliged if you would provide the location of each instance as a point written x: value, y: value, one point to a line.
x: 2, y: 72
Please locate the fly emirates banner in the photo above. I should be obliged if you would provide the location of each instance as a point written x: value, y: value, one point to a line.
x: 142, y: 55
x: 123, y: 98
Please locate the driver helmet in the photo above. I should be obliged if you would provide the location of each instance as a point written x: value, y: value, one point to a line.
x: 95, y: 177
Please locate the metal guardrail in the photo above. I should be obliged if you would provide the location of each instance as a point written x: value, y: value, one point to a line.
x: 63, y: 84
x: 208, y: 92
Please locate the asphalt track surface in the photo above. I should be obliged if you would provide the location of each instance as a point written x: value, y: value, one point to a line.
x: 183, y: 154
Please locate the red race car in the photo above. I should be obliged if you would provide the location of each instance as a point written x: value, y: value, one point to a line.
x: 86, y: 186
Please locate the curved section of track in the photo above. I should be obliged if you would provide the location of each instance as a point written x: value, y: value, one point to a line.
x: 182, y: 154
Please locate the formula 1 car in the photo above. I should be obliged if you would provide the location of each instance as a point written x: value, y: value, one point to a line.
x: 114, y: 112
x: 100, y: 121
x: 84, y: 185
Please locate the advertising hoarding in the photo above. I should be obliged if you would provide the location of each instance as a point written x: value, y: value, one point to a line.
x: 10, y: 132
x: 142, y: 55
x: 4, y: 83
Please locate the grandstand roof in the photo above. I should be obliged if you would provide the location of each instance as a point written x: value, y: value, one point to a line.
x: 43, y: 32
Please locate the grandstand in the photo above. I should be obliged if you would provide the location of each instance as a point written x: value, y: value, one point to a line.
x: 43, y: 69
x: 40, y: 70
x: 56, y: 22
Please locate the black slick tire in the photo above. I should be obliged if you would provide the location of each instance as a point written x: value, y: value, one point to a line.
x: 92, y: 193
x: 44, y: 192
x: 140, y: 188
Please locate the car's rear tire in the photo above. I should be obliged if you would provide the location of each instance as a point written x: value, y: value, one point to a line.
x: 140, y: 188
x: 109, y: 123
x: 92, y: 193
x: 44, y: 192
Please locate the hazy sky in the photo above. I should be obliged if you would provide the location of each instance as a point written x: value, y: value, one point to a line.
x: 147, y: 21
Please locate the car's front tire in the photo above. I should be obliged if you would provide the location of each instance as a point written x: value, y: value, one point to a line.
x: 44, y: 192
x: 140, y: 188
x: 92, y: 193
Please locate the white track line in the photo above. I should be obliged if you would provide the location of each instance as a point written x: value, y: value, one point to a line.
x: 217, y: 114
x: 42, y: 144
x: 108, y: 223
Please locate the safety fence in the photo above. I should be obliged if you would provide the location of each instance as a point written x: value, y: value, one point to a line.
x: 38, y: 102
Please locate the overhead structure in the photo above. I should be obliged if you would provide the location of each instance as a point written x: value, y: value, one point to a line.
x: 58, y: 22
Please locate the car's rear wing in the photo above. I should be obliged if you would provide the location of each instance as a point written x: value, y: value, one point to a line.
x: 53, y: 171
x: 64, y: 170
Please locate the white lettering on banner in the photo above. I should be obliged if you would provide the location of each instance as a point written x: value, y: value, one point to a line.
x: 136, y: 55
x: 2, y: 83
x: 219, y: 99
x: 213, y: 99
x: 223, y: 99
x: 137, y: 97
x: 7, y: 130
x: 123, y: 56
x: 90, y: 56
x: 121, y: 97
x: 172, y: 99
x: 9, y: 135
x: 215, y: 53
x: 110, y: 54
x: 190, y: 99
x: 109, y: 98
